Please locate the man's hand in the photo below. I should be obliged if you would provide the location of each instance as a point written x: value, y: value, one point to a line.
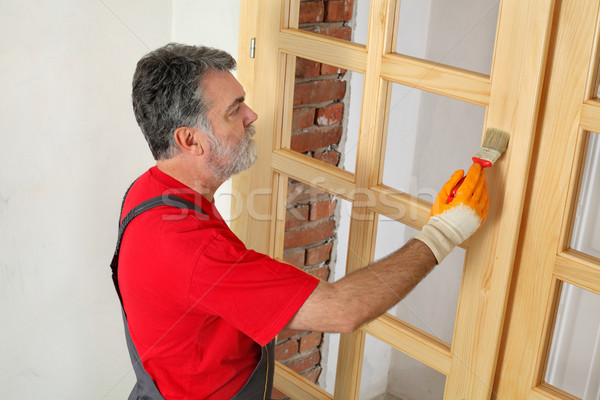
x: 452, y: 223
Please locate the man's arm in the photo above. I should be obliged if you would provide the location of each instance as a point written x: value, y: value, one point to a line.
x: 362, y: 296
x: 345, y: 305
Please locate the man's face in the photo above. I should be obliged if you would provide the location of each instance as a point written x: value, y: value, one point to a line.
x: 232, y: 148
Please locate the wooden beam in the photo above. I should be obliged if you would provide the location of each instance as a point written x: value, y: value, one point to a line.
x: 314, y: 172
x: 296, y: 386
x: 575, y: 268
x: 436, y: 78
x: 363, y: 225
x: 518, y: 70
x: 412, y: 341
x: 325, y: 49
x: 590, y: 116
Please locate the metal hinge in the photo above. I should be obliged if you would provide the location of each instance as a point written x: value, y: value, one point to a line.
x: 252, y: 47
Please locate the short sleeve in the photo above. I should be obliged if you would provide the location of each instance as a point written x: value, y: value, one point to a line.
x: 249, y: 290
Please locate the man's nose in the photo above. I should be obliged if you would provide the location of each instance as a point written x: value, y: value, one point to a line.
x: 251, y: 116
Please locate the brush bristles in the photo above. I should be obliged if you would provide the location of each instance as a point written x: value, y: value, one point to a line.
x: 496, y: 139
x: 494, y: 144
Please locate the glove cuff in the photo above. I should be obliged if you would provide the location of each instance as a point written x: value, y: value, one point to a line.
x: 434, y: 236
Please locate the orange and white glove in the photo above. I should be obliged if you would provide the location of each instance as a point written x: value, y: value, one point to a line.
x: 451, y: 223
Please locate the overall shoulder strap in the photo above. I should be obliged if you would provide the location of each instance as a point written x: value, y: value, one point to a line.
x: 164, y: 200
x: 145, y: 388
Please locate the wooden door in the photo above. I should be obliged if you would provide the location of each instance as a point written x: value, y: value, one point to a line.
x: 551, y: 264
x: 510, y: 93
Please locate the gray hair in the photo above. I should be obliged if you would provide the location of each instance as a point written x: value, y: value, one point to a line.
x: 167, y: 92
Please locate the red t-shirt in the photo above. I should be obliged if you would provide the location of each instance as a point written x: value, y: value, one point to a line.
x: 199, y: 304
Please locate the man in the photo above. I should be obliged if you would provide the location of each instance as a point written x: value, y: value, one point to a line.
x: 199, y: 305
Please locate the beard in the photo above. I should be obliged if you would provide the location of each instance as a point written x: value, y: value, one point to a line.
x: 228, y: 160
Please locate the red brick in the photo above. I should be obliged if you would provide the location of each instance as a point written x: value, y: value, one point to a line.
x: 304, y: 361
x: 287, y: 349
x: 322, y: 209
x: 311, y: 11
x: 339, y: 31
x: 343, y: 32
x: 309, y: 234
x: 321, y: 273
x: 312, y: 374
x: 286, y: 333
x: 339, y: 10
x: 318, y: 91
x: 330, y: 70
x: 296, y: 216
x: 318, y: 254
x: 303, y: 118
x: 310, y: 341
x: 329, y: 157
x: 298, y: 191
x: 294, y: 257
x: 316, y: 138
x: 307, y: 68
x: 330, y: 115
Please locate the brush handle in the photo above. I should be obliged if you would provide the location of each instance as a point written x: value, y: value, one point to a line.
x: 480, y: 161
x: 452, y: 194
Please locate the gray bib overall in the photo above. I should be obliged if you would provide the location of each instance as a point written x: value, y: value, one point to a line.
x: 260, y: 383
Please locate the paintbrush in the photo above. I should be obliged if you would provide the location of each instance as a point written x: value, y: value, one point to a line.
x: 494, y: 144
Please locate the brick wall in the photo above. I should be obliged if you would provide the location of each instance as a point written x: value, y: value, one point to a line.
x: 317, y: 131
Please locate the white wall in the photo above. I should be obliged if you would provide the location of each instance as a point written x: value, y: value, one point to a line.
x: 69, y: 147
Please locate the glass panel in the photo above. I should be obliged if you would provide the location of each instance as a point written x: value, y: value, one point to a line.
x: 574, y: 361
x: 342, y: 19
x: 431, y: 306
x: 389, y: 374
x: 459, y: 33
x: 586, y: 229
x: 324, y: 124
x: 310, y: 241
x: 429, y: 137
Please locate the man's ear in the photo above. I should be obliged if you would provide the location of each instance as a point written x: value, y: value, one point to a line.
x: 190, y: 140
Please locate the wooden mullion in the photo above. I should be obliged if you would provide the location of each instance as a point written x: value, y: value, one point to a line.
x: 574, y: 187
x: 363, y: 225
x: 524, y: 29
x: 593, y: 80
x: 314, y: 172
x: 291, y: 14
x: 552, y: 303
x: 549, y: 392
x: 280, y: 189
x: 386, y: 105
x: 296, y: 386
x: 575, y: 268
x: 400, y: 206
x: 285, y: 105
x: 392, y: 34
x: 452, y: 82
x: 412, y: 341
x: 325, y: 49
x: 590, y: 116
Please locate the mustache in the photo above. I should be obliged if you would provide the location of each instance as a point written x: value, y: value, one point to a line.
x: 250, y: 131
